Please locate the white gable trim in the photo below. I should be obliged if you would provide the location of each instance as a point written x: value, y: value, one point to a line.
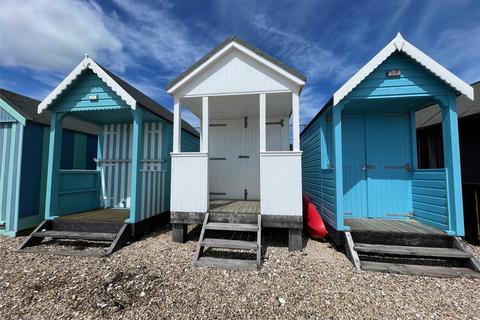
x: 246, y: 51
x: 402, y: 45
x: 87, y: 63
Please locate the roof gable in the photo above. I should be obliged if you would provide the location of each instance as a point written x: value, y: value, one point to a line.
x: 247, y: 49
x: 399, y: 44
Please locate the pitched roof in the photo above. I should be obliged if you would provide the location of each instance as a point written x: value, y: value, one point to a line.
x: 432, y: 115
x: 123, y: 89
x: 245, y: 44
x: 27, y: 107
x: 402, y: 45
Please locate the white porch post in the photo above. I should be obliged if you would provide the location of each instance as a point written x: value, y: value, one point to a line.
x: 296, y: 121
x: 204, y: 140
x: 263, y: 122
x: 176, y: 125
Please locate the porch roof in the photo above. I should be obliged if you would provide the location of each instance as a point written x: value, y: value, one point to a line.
x: 123, y: 89
x: 256, y: 52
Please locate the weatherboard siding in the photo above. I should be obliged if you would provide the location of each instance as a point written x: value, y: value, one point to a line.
x: 318, y: 183
x: 77, y: 97
x: 414, y: 80
x: 5, y: 116
x: 430, y: 197
x: 11, y: 135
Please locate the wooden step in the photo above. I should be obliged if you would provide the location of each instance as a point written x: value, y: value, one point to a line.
x: 232, y: 264
x: 419, y: 270
x: 412, y: 251
x: 96, y: 236
x: 71, y: 253
x: 246, y: 227
x: 229, y: 244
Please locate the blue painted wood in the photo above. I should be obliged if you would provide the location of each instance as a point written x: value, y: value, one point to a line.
x: 78, y: 191
x: 388, y: 182
x: 68, y: 149
x: 429, y: 191
x: 354, y: 157
x: 414, y: 80
x: 338, y: 165
x: 76, y: 96
x: 9, y: 114
x: 452, y: 163
x: 137, y: 147
x: 54, y: 158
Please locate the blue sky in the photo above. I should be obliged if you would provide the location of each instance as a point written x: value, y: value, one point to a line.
x: 149, y: 43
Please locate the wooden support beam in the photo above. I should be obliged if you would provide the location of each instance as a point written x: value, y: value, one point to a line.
x: 295, y: 239
x: 176, y: 125
x: 296, y: 121
x: 263, y: 124
x: 205, y: 124
x: 54, y: 159
x: 137, y: 155
x: 452, y: 163
x: 179, y: 232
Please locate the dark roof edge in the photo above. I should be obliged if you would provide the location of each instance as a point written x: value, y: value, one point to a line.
x: 319, y: 113
x: 244, y: 43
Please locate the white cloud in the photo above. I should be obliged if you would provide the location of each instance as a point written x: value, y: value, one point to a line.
x: 154, y: 33
x: 54, y: 35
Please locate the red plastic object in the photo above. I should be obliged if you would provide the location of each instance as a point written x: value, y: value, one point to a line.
x: 312, y: 220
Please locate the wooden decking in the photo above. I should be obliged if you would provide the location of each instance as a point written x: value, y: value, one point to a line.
x: 235, y: 206
x: 396, y: 226
x: 99, y: 215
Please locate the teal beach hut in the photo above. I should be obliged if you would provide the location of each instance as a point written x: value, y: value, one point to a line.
x: 23, y: 159
x: 360, y: 155
x: 130, y: 186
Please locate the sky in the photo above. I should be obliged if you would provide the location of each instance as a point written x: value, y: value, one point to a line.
x: 148, y: 43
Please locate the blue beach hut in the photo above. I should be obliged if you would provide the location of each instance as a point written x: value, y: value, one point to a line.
x: 360, y: 156
x: 129, y: 189
x: 23, y: 159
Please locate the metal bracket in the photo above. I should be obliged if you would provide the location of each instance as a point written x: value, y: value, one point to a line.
x: 217, y: 125
x: 244, y: 157
x: 245, y: 194
x: 217, y: 158
x: 217, y: 193
x: 245, y: 122
x: 281, y: 123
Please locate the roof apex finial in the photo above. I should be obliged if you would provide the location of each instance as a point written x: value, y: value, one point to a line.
x: 86, y: 55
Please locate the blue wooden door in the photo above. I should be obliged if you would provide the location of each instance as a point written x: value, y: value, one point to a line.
x: 354, y: 157
x: 387, y: 165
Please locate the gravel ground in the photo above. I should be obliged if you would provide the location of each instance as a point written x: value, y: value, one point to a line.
x: 153, y: 278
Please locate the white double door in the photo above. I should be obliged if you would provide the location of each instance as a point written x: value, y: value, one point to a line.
x: 234, y: 159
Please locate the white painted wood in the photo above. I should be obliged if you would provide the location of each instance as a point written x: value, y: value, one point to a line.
x: 237, y: 73
x: 296, y: 121
x: 278, y: 137
x: 189, y: 186
x: 281, y: 183
x: 205, y: 121
x: 402, y: 45
x: 263, y: 112
x: 238, y: 48
x: 176, y: 125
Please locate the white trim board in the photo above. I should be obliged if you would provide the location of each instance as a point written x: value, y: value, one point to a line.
x: 246, y: 51
x: 402, y: 45
x: 87, y: 63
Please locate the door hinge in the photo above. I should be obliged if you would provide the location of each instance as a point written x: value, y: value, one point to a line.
x: 245, y: 122
x: 245, y: 194
x: 281, y: 123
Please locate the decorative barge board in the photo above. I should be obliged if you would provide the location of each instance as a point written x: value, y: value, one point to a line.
x: 131, y: 178
x: 244, y: 99
x: 23, y: 159
x: 360, y: 153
